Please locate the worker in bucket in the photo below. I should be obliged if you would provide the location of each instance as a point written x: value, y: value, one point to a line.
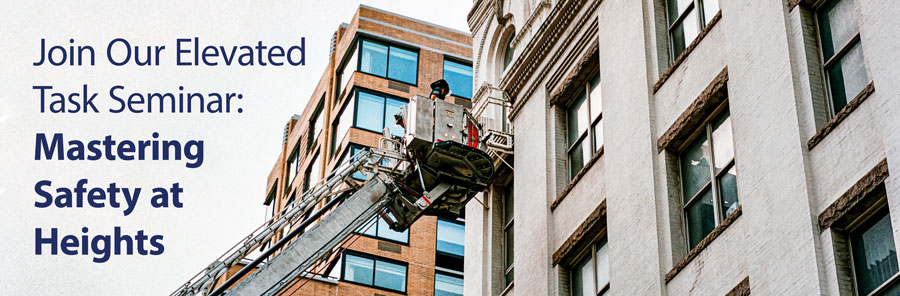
x: 439, y: 90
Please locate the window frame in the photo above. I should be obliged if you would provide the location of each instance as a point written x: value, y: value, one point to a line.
x: 591, y: 251
x: 702, y: 21
x: 294, y: 157
x: 375, y: 260
x: 868, y: 218
x: 316, y: 118
x: 437, y: 236
x: 589, y: 134
x: 272, y: 197
x: 347, y: 152
x: 308, y: 171
x: 457, y: 61
x: 378, y: 236
x: 384, y: 105
x: 387, y: 67
x: 508, y: 227
x: 837, y: 56
x: 335, y: 142
x: 706, y: 129
x: 447, y: 274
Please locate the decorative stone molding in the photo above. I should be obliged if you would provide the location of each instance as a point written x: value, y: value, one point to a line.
x: 840, y: 116
x: 580, y: 74
x: 703, y: 244
x: 538, y: 47
x: 593, y: 225
x: 696, y: 113
x: 544, y: 50
x: 687, y: 51
x: 804, y: 3
x: 860, y: 197
x: 530, y: 21
x: 742, y: 288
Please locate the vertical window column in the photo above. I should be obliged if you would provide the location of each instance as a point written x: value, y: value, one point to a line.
x: 686, y: 19
x: 590, y: 276
x: 708, y: 178
x: 584, y: 126
x: 293, y: 166
x: 874, y: 254
x: 508, y: 243
x: 842, y: 56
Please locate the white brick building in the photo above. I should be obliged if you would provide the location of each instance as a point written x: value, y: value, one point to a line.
x: 631, y: 120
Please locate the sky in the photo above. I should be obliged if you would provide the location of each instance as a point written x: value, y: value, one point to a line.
x: 222, y: 198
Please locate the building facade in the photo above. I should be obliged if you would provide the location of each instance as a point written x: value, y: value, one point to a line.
x: 676, y: 147
x: 378, y: 61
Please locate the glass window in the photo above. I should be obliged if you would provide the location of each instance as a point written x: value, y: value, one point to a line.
x: 874, y: 253
x: 341, y: 126
x: 459, y: 76
x: 293, y: 165
x: 508, y: 52
x: 447, y: 285
x: 385, y: 231
x: 601, y: 256
x: 403, y: 65
x: 377, y: 227
x: 590, y: 276
x: 582, y: 277
x: 358, y: 175
x: 358, y: 269
x: 584, y: 127
x: 391, y: 107
x: 708, y: 178
x: 316, y: 123
x: 508, y: 236
x: 842, y: 55
x: 375, y: 112
x: 374, y: 272
x: 390, y: 276
x: 451, y: 237
x: 347, y: 156
x: 388, y: 61
x: 271, y: 199
x: 686, y: 20
x: 373, y: 58
x: 312, y: 173
x: 347, y: 70
x: 370, y: 112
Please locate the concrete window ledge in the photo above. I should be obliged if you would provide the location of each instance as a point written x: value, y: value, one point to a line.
x: 687, y: 51
x: 703, y: 244
x: 565, y: 192
x: 840, y: 116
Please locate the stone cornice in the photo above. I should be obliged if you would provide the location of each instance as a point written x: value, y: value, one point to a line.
x: 539, y: 47
x: 478, y: 14
x: 530, y: 22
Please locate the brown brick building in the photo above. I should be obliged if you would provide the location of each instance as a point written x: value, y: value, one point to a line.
x: 378, y: 61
